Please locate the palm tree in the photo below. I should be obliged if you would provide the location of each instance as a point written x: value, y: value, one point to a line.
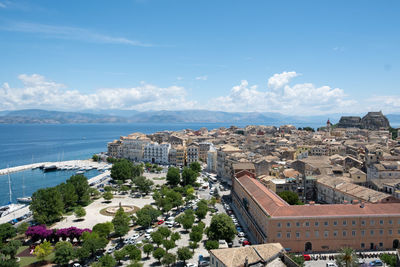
x: 347, y: 258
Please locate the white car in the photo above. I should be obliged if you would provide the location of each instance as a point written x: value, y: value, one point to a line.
x: 135, y: 236
x: 242, y: 239
x: 110, y: 250
x: 331, y: 264
x: 149, y: 230
x: 241, y: 234
x: 147, y: 236
x: 191, y: 265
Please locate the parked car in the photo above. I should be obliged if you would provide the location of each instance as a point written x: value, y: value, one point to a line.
x: 376, y: 263
x: 246, y: 243
x: 135, y: 236
x: 160, y: 222
x: 331, y: 264
x: 191, y: 264
x: 241, y: 234
x: 306, y: 257
x: 242, y: 239
x: 110, y: 250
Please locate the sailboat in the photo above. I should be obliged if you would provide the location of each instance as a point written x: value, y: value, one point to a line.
x: 24, y: 199
x: 10, y: 207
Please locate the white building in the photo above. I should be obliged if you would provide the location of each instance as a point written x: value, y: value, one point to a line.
x: 212, y: 159
x: 132, y: 147
x: 192, y: 153
x: 156, y: 153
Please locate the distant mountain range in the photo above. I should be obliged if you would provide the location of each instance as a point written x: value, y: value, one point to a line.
x: 181, y: 116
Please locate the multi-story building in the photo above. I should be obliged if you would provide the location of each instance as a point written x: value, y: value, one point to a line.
x: 132, y: 146
x: 224, y: 165
x: 180, y: 155
x: 384, y: 170
x: 192, y: 153
x: 156, y: 153
x: 212, y: 160
x: 114, y: 149
x: 340, y: 190
x: 204, y: 147
x: 361, y: 226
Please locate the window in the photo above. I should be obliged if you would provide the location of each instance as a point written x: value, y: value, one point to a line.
x: 212, y: 260
x: 335, y: 233
x: 381, y: 244
x: 353, y: 222
x: 316, y: 233
x: 307, y: 224
x: 371, y: 232
x: 308, y: 233
x: 344, y: 222
x: 278, y: 235
x: 288, y: 224
x: 316, y: 224
x: 279, y: 225
x: 297, y: 224
x: 288, y: 235
x: 217, y: 264
x: 297, y: 234
x: 372, y: 222
x: 353, y: 233
x: 344, y: 233
x: 362, y: 232
x: 326, y: 233
x: 362, y: 245
x: 335, y: 223
x: 380, y: 222
x: 362, y: 222
x: 390, y: 231
x: 390, y: 222
x: 326, y: 223
x: 381, y: 232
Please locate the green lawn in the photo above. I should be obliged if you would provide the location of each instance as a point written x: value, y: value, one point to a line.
x: 25, y: 261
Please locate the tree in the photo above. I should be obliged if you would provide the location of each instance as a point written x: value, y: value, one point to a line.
x: 212, y: 244
x: 108, y: 195
x: 43, y: 250
x: 168, y: 259
x: 148, y: 248
x: 297, y: 259
x: 82, y: 253
x: 68, y: 194
x: 81, y: 186
x: 168, y: 244
x: 107, y: 261
x: 95, y: 157
x: 346, y: 257
x: 124, y: 188
x: 94, y: 192
x: 9, y: 263
x: 188, y: 176
x: 6, y: 231
x: 201, y: 212
x: 122, y: 170
x: 389, y: 259
x: 143, y: 184
x: 146, y: 215
x: 47, y: 205
x: 134, y: 253
x: 11, y: 248
x: 184, y: 254
x: 157, y: 237
x: 103, y: 229
x: 137, y: 170
x: 21, y: 229
x: 173, y: 176
x: 196, y: 236
x: 186, y: 219
x: 135, y: 264
x: 175, y: 198
x: 121, y: 223
x: 221, y: 227
x: 93, y: 242
x: 195, y: 166
x: 193, y: 245
x: 290, y: 197
x: 64, y: 252
x: 80, y: 212
x: 164, y: 231
x: 119, y: 255
x: 175, y: 236
x: 158, y: 253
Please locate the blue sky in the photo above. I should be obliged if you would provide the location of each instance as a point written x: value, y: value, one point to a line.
x: 293, y: 57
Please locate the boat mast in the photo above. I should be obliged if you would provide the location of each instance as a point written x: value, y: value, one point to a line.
x: 9, y: 186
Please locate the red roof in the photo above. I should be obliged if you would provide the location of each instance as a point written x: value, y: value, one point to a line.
x: 275, y: 206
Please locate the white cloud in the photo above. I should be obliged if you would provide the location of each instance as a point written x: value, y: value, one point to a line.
x: 179, y: 78
x: 38, y: 92
x: 278, y: 80
x: 70, y: 33
x: 299, y: 99
x: 2, y: 5
x: 202, y: 78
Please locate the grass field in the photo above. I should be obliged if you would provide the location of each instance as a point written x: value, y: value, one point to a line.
x: 25, y: 261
